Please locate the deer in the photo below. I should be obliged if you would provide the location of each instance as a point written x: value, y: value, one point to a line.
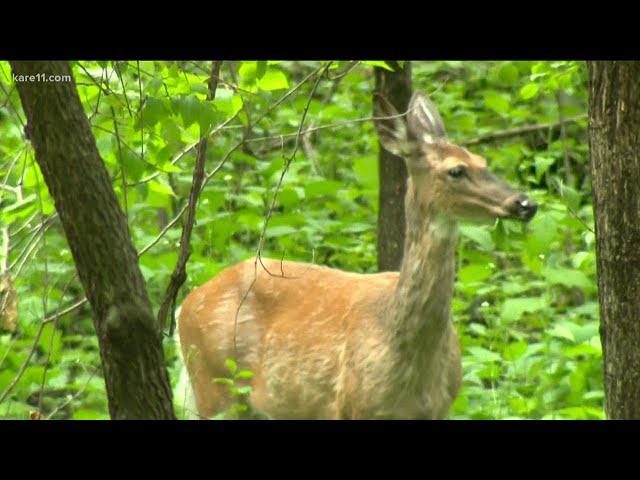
x: 328, y: 344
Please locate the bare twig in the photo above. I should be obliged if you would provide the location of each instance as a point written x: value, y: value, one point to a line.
x: 220, y: 164
x: 121, y: 162
x: 45, y: 296
x: 19, y: 241
x: 25, y: 363
x: 49, y: 352
x: 225, y: 125
x: 287, y: 95
x: 339, y: 76
x: 288, y: 162
x: 179, y: 273
x: 12, y: 106
x: 5, y: 249
x: 116, y: 69
x: 513, y: 132
x: 71, y: 398
x: 17, y: 190
x: 563, y: 136
x: 185, y: 151
x: 101, y: 89
x: 308, y: 149
x: 63, y: 312
x: 26, y: 224
x: 100, y: 84
x: 141, y: 111
x: 9, y: 188
x: 572, y: 211
x: 6, y: 353
x: 279, y: 140
x: 26, y: 251
x: 46, y: 222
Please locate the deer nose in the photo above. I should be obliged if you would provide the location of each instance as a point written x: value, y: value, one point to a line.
x: 525, y: 207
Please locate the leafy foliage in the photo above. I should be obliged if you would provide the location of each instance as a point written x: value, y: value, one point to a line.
x: 526, y: 300
x: 240, y: 392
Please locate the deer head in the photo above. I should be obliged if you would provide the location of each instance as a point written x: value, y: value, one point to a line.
x: 446, y: 181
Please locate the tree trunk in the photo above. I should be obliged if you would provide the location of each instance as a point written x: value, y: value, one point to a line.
x: 614, y: 132
x: 136, y: 378
x: 396, y: 87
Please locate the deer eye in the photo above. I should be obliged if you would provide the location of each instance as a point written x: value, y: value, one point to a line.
x: 457, y: 172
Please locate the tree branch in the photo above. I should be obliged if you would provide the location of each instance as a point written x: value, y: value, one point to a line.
x: 288, y: 161
x: 513, y: 132
x: 179, y: 274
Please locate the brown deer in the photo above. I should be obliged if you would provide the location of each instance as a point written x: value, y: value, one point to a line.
x: 328, y: 344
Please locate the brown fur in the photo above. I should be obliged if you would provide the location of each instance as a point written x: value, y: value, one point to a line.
x: 324, y: 343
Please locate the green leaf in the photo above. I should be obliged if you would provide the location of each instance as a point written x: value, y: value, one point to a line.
x: 474, y: 273
x: 134, y: 166
x: 170, y: 131
x: 322, y: 187
x: 244, y: 374
x: 168, y: 167
x: 530, y: 90
x: 272, y: 80
x: 154, y: 110
x: 229, y: 105
x: 240, y: 408
x: 588, y: 309
x: 584, y: 349
x: 207, y: 116
x: 261, y: 68
x: 366, y: 171
x: 201, y: 88
x: 515, y: 350
x: 278, y: 231
x: 508, y: 74
x: 46, y: 341
x: 244, y: 390
x: 481, y: 354
x: 542, y: 165
x: 479, y: 235
x: 21, y: 209
x: 85, y: 414
x: 594, y: 394
x: 231, y: 365
x: 568, y: 278
x: 189, y: 109
x: 223, y: 381
x: 561, y: 331
x: 288, y: 197
x: 160, y: 187
x: 571, y: 197
x: 541, y: 232
x: 514, y: 308
x: 357, y: 227
x: 248, y: 72
x: 497, y: 102
x: 378, y: 63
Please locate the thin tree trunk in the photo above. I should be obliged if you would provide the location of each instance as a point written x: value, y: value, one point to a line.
x: 396, y: 88
x: 614, y: 132
x: 136, y: 378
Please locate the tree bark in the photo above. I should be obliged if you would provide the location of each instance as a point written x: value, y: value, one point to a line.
x: 396, y: 88
x: 136, y: 378
x: 614, y: 132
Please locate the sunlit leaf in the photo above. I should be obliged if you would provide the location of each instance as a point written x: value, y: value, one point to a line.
x: 273, y: 79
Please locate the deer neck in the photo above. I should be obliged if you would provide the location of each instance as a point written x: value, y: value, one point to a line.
x: 420, y: 307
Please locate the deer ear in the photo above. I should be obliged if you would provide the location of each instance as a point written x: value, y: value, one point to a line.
x: 391, y: 126
x: 424, y: 120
